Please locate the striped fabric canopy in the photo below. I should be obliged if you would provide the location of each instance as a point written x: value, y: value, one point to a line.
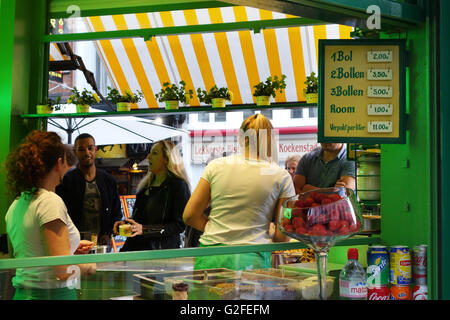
x: 237, y: 60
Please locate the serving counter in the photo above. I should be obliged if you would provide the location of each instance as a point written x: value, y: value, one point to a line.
x: 131, y: 275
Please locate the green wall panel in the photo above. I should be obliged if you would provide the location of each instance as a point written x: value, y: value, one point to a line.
x: 406, y: 170
x: 6, y: 57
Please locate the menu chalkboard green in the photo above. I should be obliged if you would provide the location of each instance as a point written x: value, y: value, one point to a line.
x: 362, y: 91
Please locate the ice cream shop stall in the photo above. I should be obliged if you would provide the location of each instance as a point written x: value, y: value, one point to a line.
x: 378, y: 90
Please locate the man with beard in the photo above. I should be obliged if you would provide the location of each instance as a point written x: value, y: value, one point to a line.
x: 90, y: 194
x: 324, y: 167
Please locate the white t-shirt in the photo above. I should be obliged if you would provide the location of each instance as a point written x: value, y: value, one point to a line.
x: 24, y: 221
x: 244, y: 194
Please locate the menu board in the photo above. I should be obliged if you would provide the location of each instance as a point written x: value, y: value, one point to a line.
x: 362, y: 91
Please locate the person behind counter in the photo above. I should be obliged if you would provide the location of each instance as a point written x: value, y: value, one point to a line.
x: 246, y: 192
x: 160, y: 200
x: 291, y: 162
x: 90, y: 194
x: 37, y: 221
x: 324, y: 167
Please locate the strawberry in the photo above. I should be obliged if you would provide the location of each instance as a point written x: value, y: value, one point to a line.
x: 322, y: 218
x: 301, y: 230
x: 285, y: 221
x: 298, y: 222
x: 289, y: 228
x: 320, y: 197
x: 326, y: 201
x: 334, y: 197
x: 355, y: 226
x: 315, y: 204
x: 343, y: 224
x: 299, y: 204
x: 297, y: 212
x: 334, y: 225
x: 334, y: 215
x: 309, y: 201
x: 318, y: 230
x: 343, y: 230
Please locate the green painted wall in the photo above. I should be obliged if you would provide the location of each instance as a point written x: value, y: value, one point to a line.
x: 6, y: 57
x: 407, y: 177
x: 21, y: 80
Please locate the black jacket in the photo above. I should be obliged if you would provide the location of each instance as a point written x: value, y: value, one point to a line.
x: 72, y: 189
x: 160, y: 208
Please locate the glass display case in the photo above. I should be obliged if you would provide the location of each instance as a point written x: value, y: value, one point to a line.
x: 157, y: 274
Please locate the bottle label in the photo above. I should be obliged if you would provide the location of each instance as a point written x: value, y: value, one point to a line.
x: 353, y: 289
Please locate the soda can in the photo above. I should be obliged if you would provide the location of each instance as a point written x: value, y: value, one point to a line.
x: 420, y: 264
x: 378, y: 293
x: 400, y: 292
x: 377, y: 266
x: 420, y: 292
x: 400, y: 265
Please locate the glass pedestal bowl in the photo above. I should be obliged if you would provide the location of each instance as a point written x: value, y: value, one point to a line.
x: 319, y: 218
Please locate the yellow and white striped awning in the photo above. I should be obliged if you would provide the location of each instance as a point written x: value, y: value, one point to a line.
x: 237, y: 59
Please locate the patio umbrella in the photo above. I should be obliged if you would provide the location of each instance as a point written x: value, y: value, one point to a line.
x: 113, y: 130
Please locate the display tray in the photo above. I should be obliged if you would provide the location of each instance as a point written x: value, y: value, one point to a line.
x: 239, y: 285
x: 152, y: 284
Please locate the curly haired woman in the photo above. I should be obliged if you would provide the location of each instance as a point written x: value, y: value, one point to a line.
x: 37, y: 221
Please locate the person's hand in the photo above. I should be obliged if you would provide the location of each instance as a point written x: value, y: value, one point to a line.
x: 88, y: 268
x: 340, y: 184
x: 84, y: 247
x: 136, y: 228
x: 116, y: 226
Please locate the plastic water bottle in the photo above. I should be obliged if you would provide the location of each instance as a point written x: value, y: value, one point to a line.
x: 352, y: 279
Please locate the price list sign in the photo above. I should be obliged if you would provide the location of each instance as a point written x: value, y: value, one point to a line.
x: 362, y: 91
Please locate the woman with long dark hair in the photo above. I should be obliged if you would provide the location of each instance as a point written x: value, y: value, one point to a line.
x: 37, y: 221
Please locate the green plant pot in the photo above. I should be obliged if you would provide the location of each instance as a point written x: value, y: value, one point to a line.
x: 311, y: 98
x: 218, y: 103
x: 263, y: 100
x: 123, y: 106
x: 43, y: 108
x: 82, y: 108
x: 172, y: 104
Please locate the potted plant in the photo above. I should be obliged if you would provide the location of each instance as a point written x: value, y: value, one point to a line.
x: 172, y: 95
x: 83, y: 99
x: 311, y: 88
x: 264, y: 90
x: 216, y: 97
x: 48, y: 106
x: 124, y: 101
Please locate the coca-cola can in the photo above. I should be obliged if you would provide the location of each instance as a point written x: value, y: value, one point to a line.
x: 420, y: 292
x: 420, y: 264
x: 378, y: 293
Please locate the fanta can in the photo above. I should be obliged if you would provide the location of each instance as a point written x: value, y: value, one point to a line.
x: 400, y: 292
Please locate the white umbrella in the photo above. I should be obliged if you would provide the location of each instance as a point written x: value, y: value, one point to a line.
x: 113, y: 130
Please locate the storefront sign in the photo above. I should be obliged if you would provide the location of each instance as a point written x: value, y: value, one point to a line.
x: 362, y: 91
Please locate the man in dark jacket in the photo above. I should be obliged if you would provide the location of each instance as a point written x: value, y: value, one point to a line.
x: 90, y: 194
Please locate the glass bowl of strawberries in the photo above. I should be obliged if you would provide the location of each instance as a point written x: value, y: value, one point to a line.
x: 321, y: 217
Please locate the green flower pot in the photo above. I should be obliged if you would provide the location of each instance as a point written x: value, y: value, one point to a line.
x: 172, y: 104
x: 43, y: 109
x: 263, y: 100
x: 218, y: 102
x: 123, y: 106
x: 83, y: 108
x: 311, y: 98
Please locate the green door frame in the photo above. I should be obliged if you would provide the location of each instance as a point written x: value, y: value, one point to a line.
x: 444, y: 96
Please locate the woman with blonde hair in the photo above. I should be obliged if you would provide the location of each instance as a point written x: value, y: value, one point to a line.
x: 160, y: 200
x: 246, y: 192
